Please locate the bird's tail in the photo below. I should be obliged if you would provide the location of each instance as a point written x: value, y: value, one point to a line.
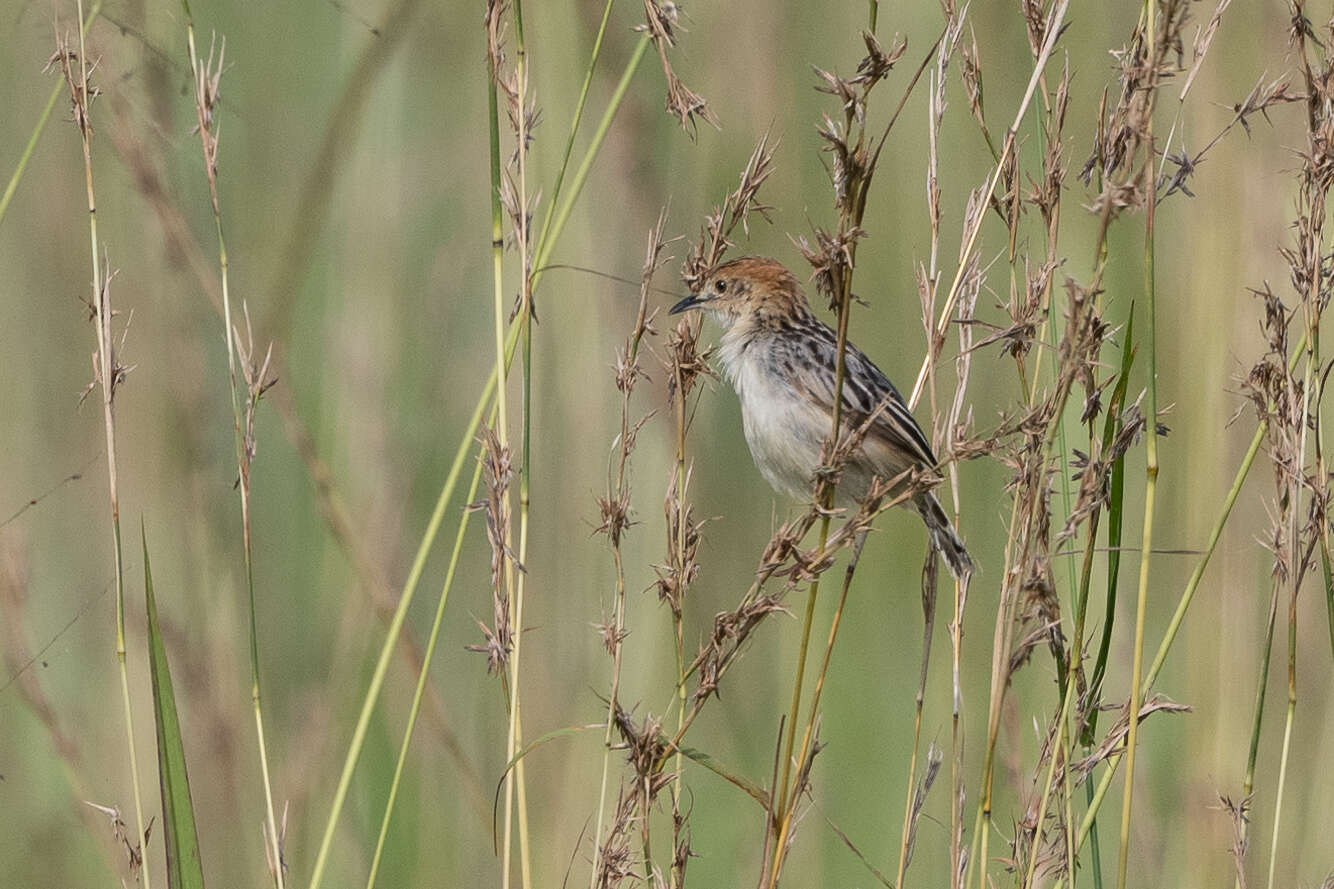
x: 943, y: 536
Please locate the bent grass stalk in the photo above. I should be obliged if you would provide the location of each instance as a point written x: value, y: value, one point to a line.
x: 544, y: 248
x: 396, y: 623
x: 422, y: 676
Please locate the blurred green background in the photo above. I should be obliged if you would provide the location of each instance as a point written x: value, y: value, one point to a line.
x: 354, y: 190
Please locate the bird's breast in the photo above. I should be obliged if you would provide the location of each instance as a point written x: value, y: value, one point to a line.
x: 783, y: 428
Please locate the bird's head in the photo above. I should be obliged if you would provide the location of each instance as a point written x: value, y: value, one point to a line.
x: 752, y: 290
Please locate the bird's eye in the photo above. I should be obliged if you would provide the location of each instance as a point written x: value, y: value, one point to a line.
x: 720, y: 286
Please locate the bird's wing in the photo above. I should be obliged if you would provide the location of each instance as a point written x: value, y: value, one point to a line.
x: 865, y: 388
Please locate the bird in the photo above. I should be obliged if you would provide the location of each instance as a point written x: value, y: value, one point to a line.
x: 781, y: 361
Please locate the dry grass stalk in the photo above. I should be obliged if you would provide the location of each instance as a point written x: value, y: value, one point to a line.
x: 1051, y: 29
x: 686, y: 366
x: 646, y: 753
x: 258, y: 378
x: 855, y: 153
x: 1287, y: 398
x: 928, y: 280
x: 208, y: 81
x: 649, y: 748
x: 1239, y: 815
x: 511, y: 196
x: 207, y: 78
x: 1113, y: 743
x: 1143, y: 64
x: 935, y: 757
x: 615, y: 859
x: 133, y: 849
x: 108, y: 375
x: 662, y: 20
x: 615, y: 510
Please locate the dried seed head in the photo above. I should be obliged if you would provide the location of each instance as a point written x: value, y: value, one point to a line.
x: 662, y: 21
x: 878, y: 61
x: 714, y: 236
x: 685, y: 361
x: 615, y: 510
x: 831, y: 260
x: 497, y: 470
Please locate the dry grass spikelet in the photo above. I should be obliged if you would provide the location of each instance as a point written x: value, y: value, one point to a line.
x: 735, y: 210
x: 662, y: 19
x: 497, y: 468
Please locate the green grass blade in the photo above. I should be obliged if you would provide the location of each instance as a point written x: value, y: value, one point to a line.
x: 548, y: 737
x: 422, y: 677
x: 1115, y: 522
x: 184, y: 869
x: 753, y: 790
x: 574, y: 122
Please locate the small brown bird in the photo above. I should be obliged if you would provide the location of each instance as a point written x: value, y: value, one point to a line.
x: 781, y: 360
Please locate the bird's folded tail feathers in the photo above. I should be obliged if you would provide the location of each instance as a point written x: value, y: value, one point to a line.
x: 943, y: 536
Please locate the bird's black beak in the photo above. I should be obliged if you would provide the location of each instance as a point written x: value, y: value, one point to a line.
x: 690, y: 302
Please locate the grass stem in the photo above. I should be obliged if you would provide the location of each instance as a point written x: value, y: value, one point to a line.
x: 205, y: 94
x: 108, y: 375
x: 1150, y: 493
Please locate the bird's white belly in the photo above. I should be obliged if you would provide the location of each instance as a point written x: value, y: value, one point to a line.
x: 784, y: 431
